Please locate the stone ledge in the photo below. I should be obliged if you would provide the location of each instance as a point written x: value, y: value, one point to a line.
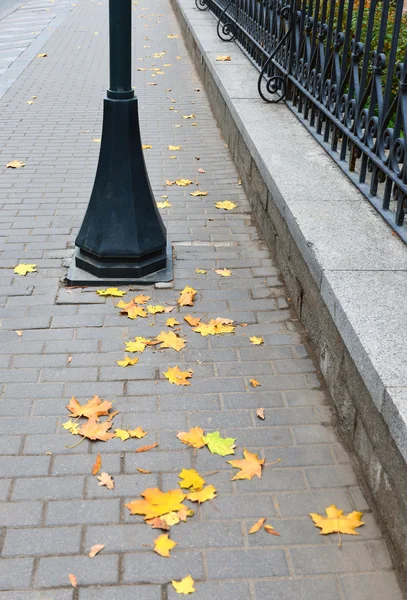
x: 345, y: 270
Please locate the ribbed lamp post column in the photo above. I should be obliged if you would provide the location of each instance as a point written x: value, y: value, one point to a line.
x: 122, y: 238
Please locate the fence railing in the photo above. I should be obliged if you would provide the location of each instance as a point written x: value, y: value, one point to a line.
x: 341, y: 67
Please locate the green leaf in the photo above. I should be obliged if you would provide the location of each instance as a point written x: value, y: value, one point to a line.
x: 219, y: 445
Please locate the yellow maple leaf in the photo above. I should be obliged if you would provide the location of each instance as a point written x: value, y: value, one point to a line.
x: 141, y: 299
x: 257, y: 341
x: 207, y: 493
x: 169, y: 339
x: 186, y: 297
x: 188, y: 117
x: 164, y: 204
x: 94, y: 408
x: 71, y: 426
x: 138, y: 345
x: 135, y: 311
x: 223, y: 272
x: 96, y: 431
x: 198, y: 193
x: 30, y: 102
x: 163, y: 545
x: 172, y: 36
x: 223, y: 58
x: 171, y: 322
x: 214, y: 327
x: 138, y: 433
x: 174, y: 375
x: 111, y: 292
x: 193, y: 437
x: 173, y: 148
x: 255, y: 383
x: 127, y: 361
x: 226, y: 205
x: 200, y: 271
x: 193, y: 321
x: 249, y: 466
x: 155, y: 309
x: 156, y: 503
x: 337, y: 522
x: 145, y: 146
x: 191, y: 479
x: 23, y: 269
x: 43, y: 55
x: 183, y: 182
x: 184, y: 586
x: 257, y: 526
x: 122, y: 434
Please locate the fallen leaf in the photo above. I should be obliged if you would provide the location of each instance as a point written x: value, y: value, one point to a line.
x: 19, y: 332
x: 249, y: 466
x: 145, y: 146
x: 214, y: 327
x: 169, y: 339
x: 171, y: 322
x: 207, y: 493
x: 174, y: 375
x: 198, y: 193
x: 153, y: 310
x: 95, y: 550
x: 188, y: 117
x: 223, y: 272
x: 255, y: 383
x: 226, y: 204
x: 200, y: 271
x: 112, y: 415
x: 15, y: 164
x: 69, y: 359
x: 219, y: 445
x: 141, y: 299
x: 257, y: 341
x: 158, y: 523
x: 193, y: 321
x: 190, y: 479
x: 138, y: 433
x: 97, y: 140
x: 96, y: 431
x: 156, y: 503
x: 107, y: 480
x: 337, y: 522
x: 184, y: 513
x: 30, y: 101
x: 71, y: 426
x: 184, y: 586
x: 270, y: 529
x: 23, y: 269
x: 142, y: 471
x: 201, y: 171
x: 146, y: 448
x: 173, y: 148
x: 139, y: 344
x: 163, y: 545
x: 187, y: 296
x: 127, y: 361
x: 260, y: 413
x: 255, y: 528
x: 111, y: 292
x: 193, y: 437
x: 42, y: 56
x: 73, y: 580
x: 164, y: 204
x: 122, y: 434
x: 94, y: 408
x: 133, y: 311
x: 171, y: 36
x: 97, y: 465
x: 169, y: 309
x: 183, y: 182
x: 223, y: 58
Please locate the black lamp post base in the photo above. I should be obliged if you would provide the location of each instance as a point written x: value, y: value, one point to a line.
x: 90, y: 270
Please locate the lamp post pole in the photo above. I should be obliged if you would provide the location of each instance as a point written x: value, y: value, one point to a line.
x: 122, y: 238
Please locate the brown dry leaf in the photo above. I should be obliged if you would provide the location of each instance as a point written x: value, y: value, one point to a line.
x: 158, y: 523
x: 95, y: 550
x: 171, y: 322
x: 337, y: 522
x: 223, y: 58
x: 186, y: 297
x: 255, y: 528
x: 260, y: 413
x: 270, y: 529
x: 193, y: 437
x: 169, y: 309
x: 207, y: 493
x: 94, y: 408
x: 43, y: 55
x: 255, y: 383
x: 73, y: 580
x: 249, y: 466
x: 97, y: 465
x: 185, y: 512
x: 19, y: 332
x: 146, y: 448
x: 174, y: 375
x: 69, y: 359
x: 193, y: 321
x: 96, y: 431
x: 170, y: 340
x: 156, y: 503
x: 107, y: 480
x: 201, y: 171
x: 142, y: 471
x: 163, y: 545
x: 223, y: 272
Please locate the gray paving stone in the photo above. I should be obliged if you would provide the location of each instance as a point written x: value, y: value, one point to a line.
x: 36, y: 595
x: 15, y: 573
x: 128, y: 592
x: 205, y: 590
x: 42, y: 541
x: 182, y: 563
x: 48, y: 488
x: 53, y: 571
x: 73, y: 512
x: 15, y: 514
x: 239, y: 564
x: 300, y: 589
x: 318, y: 560
x: 371, y: 586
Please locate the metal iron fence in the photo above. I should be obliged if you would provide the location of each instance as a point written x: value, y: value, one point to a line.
x: 341, y: 67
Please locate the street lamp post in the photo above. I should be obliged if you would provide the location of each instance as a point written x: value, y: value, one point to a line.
x: 122, y: 238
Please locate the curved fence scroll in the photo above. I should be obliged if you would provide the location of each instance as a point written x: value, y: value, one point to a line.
x: 341, y: 67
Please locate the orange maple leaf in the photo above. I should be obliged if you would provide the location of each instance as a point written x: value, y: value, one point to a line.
x: 193, y: 321
x: 94, y: 408
x: 170, y: 340
x: 192, y: 438
x: 96, y: 431
x: 186, y: 297
x: 145, y: 448
x: 249, y: 466
x: 156, y: 503
x: 97, y: 465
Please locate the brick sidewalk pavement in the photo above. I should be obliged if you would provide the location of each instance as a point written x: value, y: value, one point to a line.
x: 52, y: 509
